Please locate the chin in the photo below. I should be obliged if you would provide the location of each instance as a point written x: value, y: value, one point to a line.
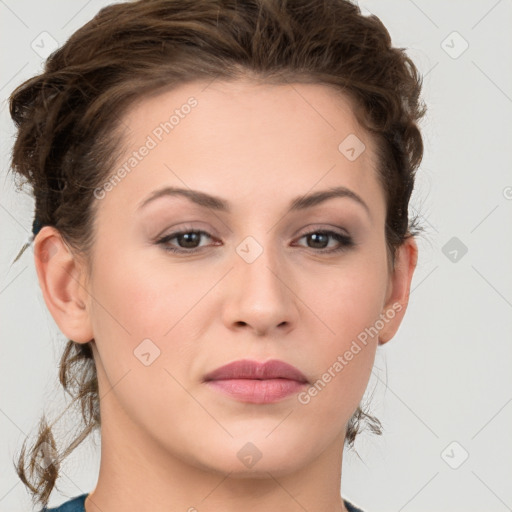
x: 257, y: 456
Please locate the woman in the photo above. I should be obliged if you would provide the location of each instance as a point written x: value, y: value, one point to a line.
x: 222, y: 233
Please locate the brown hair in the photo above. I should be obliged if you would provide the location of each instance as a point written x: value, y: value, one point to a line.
x: 69, y: 128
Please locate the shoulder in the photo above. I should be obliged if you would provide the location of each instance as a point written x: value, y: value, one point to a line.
x: 75, y: 504
x: 351, y: 507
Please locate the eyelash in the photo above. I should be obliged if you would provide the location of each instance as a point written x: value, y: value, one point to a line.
x: 346, y: 241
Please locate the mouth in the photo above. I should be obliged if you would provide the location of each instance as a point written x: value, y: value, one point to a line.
x: 254, y: 382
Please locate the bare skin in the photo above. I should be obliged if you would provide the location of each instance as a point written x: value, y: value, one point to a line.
x: 169, y: 442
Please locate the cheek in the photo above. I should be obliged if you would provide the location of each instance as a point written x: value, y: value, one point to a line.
x: 348, y: 298
x: 146, y: 311
x: 141, y: 330
x: 348, y: 303
x: 137, y: 298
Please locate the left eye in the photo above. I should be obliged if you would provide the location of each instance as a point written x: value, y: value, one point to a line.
x: 322, y: 238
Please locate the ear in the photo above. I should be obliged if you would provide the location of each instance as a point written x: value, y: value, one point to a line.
x: 397, y: 295
x: 62, y: 281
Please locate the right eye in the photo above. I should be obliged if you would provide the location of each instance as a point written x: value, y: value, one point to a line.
x: 189, y: 238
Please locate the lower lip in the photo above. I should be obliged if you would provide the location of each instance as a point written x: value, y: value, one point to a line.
x: 257, y: 391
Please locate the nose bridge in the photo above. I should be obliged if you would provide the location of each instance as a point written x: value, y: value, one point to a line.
x: 259, y: 267
x: 262, y: 298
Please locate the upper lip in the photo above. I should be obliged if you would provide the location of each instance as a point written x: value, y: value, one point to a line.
x: 248, y: 369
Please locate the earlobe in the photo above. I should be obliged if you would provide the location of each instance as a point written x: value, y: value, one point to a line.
x: 399, y: 289
x: 60, y: 277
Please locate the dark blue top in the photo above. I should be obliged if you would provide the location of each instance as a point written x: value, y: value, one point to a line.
x: 77, y: 505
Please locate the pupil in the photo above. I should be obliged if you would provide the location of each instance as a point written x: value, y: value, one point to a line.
x: 189, y: 238
x: 316, y: 236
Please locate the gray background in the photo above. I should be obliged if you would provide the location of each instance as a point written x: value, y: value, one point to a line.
x: 442, y: 386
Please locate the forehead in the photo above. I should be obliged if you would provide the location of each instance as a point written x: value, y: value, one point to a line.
x: 244, y: 140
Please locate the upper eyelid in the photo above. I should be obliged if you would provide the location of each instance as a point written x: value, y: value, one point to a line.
x: 306, y: 231
x: 175, y: 234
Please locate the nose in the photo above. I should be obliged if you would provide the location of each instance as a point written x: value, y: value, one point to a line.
x: 260, y: 297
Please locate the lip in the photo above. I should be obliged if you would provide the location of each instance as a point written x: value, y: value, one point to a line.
x: 250, y: 381
x: 249, y: 369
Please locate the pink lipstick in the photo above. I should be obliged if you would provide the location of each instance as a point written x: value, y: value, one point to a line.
x: 254, y: 382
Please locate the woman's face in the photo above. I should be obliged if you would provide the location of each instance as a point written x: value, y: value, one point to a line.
x: 259, y: 282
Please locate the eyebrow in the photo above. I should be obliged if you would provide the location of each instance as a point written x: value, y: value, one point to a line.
x: 219, y: 204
